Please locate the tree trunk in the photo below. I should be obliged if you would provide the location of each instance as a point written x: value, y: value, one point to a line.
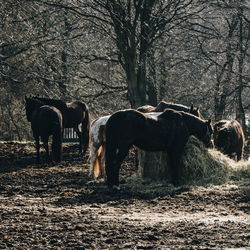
x: 224, y: 78
x: 64, y: 56
x: 133, y: 42
x: 136, y: 88
x: 240, y: 113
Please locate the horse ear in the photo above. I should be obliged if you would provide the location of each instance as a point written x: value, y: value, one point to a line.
x: 192, y: 107
x: 209, y: 121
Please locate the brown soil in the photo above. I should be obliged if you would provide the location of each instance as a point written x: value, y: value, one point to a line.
x: 59, y: 207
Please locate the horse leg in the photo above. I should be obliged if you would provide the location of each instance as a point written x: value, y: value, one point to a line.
x: 99, y: 162
x: 175, y: 168
x: 37, y: 141
x: 46, y: 146
x: 79, y: 134
x: 98, y: 166
x: 102, y: 161
x: 85, y: 138
x: 111, y: 164
x: 239, y: 154
x: 175, y: 154
x: 113, y: 169
x: 94, y: 161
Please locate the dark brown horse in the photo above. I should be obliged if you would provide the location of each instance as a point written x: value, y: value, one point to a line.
x: 229, y: 138
x: 167, y: 132
x: 45, y: 121
x: 179, y: 107
x: 74, y: 114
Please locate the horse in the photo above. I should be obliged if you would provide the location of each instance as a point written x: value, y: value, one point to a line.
x: 168, y: 131
x: 97, y: 136
x: 229, y: 138
x: 97, y: 146
x: 179, y: 107
x: 74, y: 114
x: 97, y: 143
x: 45, y: 121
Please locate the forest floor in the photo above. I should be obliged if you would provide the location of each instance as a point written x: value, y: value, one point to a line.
x: 60, y: 207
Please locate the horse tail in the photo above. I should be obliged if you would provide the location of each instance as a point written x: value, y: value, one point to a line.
x: 85, y: 129
x: 97, y: 166
x: 57, y: 142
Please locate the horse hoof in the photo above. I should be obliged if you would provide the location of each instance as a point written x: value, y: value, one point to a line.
x: 114, y: 188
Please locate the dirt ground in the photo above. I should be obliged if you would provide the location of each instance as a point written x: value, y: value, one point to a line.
x: 60, y: 207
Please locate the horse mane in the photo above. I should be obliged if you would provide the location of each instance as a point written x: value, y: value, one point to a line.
x: 146, y: 108
x: 171, y: 105
x: 179, y: 107
x: 83, y: 105
x: 33, y: 104
x: 33, y: 101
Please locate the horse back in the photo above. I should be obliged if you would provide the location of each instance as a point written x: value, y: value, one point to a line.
x: 97, y: 130
x: 162, y: 131
x: 123, y: 126
x: 45, y: 120
x: 146, y: 109
x: 229, y: 136
x: 75, y: 113
x: 178, y: 107
x: 166, y: 105
x: 229, y: 125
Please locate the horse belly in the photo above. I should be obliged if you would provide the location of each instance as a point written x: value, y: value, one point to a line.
x: 72, y: 118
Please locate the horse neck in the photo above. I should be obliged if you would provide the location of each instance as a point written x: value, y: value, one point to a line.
x: 59, y: 104
x: 194, y: 124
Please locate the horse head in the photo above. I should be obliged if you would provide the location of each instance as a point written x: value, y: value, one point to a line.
x: 222, y: 140
x: 31, y: 105
x: 207, y: 138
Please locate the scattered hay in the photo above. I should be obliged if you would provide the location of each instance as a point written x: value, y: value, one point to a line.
x: 147, y: 188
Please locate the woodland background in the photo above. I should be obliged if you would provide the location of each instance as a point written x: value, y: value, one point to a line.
x: 118, y: 54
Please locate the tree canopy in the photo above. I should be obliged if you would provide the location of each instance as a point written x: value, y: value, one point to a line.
x: 119, y: 54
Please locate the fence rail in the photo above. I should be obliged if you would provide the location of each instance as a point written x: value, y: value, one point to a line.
x: 69, y: 135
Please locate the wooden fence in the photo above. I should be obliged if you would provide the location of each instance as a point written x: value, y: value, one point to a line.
x: 69, y: 135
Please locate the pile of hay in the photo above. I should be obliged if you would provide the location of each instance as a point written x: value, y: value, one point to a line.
x: 203, y: 166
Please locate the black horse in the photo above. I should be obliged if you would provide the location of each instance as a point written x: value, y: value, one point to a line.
x: 167, y: 132
x: 45, y: 121
x: 229, y: 138
x: 179, y: 107
x: 74, y: 114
